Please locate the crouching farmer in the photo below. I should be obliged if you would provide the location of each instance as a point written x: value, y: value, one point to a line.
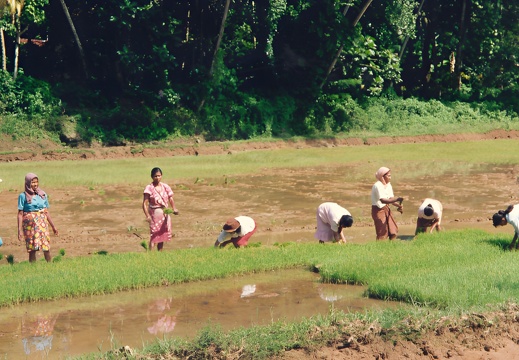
x: 511, y: 216
x: 236, y: 231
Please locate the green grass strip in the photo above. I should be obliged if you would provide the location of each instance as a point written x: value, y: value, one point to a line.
x: 458, y: 269
x: 136, y: 171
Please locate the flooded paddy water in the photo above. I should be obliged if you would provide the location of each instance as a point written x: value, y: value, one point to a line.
x: 283, y: 203
x: 57, y: 329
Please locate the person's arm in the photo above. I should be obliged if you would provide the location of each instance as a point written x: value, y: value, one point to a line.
x: 435, y: 225
x: 20, y: 227
x: 392, y: 200
x: 396, y: 201
x: 51, y: 223
x: 223, y: 239
x: 222, y: 244
x: 172, y: 203
x: 145, y: 206
x: 340, y: 236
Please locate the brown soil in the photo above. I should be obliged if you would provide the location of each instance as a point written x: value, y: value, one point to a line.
x: 45, y: 150
x: 87, y: 229
x: 474, y: 337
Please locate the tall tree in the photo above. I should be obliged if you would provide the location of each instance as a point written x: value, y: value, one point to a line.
x: 220, y: 36
x: 465, y: 10
x: 336, y: 57
x: 217, y: 46
x: 16, y: 11
x: 4, y: 57
x: 29, y: 12
x: 4, y: 9
x: 76, y: 37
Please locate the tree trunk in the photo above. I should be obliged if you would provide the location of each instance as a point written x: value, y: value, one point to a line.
x: 76, y: 37
x: 217, y: 46
x: 461, y: 43
x: 220, y: 36
x: 336, y: 57
x: 16, y: 47
x: 404, y: 43
x: 4, y: 55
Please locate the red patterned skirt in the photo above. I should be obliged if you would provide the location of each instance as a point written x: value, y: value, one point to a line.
x: 36, y: 231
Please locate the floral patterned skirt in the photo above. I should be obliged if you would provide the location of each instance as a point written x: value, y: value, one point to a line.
x: 36, y: 231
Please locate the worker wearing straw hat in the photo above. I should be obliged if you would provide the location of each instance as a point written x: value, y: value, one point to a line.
x: 237, y: 231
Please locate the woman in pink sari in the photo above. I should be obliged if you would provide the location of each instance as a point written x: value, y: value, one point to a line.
x: 33, y: 216
x: 157, y: 197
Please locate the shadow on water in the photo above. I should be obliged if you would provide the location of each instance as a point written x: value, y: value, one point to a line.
x: 71, y: 327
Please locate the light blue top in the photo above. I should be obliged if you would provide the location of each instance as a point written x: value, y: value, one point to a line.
x: 37, y: 203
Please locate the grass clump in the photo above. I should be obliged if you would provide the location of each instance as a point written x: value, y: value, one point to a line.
x: 144, y: 245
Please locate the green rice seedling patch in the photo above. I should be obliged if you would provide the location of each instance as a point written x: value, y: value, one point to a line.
x: 462, y: 269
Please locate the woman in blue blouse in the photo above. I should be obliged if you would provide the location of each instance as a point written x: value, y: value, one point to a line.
x: 33, y: 216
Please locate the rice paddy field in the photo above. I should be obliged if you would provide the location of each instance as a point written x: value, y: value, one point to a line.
x: 96, y: 204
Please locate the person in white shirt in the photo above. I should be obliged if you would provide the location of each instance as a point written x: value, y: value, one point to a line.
x: 508, y: 216
x: 237, y: 231
x: 429, y: 215
x: 381, y: 196
x: 331, y: 221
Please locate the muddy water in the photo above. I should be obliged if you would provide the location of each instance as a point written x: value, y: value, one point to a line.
x: 72, y: 327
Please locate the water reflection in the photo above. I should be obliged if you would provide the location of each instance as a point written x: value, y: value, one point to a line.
x: 165, y: 321
x: 37, y: 333
x: 329, y: 296
x: 79, y: 326
x: 248, y: 290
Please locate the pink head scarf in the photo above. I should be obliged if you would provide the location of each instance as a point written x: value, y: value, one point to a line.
x: 28, y: 190
x: 380, y: 174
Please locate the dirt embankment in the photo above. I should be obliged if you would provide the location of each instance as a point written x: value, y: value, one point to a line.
x: 11, y: 150
x: 492, y: 336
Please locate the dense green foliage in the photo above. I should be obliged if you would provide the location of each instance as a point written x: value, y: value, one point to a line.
x: 145, y: 70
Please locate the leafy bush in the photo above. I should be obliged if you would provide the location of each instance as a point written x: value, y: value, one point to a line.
x: 27, y: 96
x: 337, y: 113
x: 28, y: 107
